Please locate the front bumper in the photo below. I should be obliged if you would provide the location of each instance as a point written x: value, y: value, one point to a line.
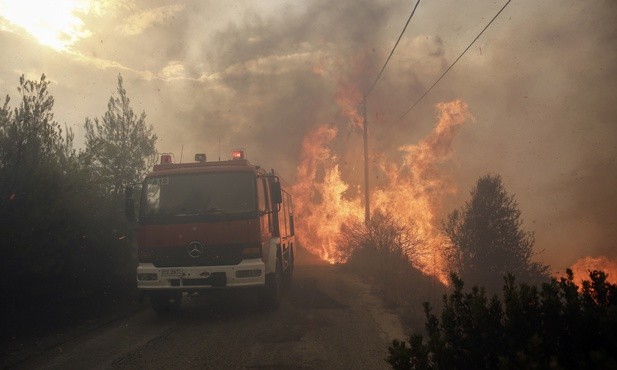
x: 248, y: 273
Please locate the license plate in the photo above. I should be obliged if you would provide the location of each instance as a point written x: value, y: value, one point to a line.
x: 171, y: 272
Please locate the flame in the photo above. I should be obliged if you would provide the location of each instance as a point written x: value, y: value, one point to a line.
x: 582, y: 267
x: 417, y: 186
x: 319, y: 202
x: 413, y: 191
x: 348, y: 98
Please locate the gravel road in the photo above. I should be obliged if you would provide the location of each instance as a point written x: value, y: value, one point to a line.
x: 328, y: 319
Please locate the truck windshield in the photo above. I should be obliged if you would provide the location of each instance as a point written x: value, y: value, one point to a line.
x: 199, y: 196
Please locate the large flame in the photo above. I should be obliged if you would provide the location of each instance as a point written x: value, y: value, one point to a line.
x: 413, y: 191
x: 319, y: 200
x: 583, y: 266
x: 417, y: 186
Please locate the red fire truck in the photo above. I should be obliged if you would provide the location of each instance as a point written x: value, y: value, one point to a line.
x: 212, y: 225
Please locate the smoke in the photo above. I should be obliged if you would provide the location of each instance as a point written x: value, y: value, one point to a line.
x: 273, y: 79
x: 213, y: 76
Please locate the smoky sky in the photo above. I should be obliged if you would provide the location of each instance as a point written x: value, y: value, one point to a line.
x: 217, y: 75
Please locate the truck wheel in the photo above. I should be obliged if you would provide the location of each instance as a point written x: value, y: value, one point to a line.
x: 272, y: 291
x: 166, y: 303
x: 288, y: 275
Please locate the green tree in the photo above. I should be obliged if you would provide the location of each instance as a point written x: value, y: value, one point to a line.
x: 120, y: 146
x: 489, y: 240
x: 63, y: 250
x: 35, y: 157
x: 29, y: 135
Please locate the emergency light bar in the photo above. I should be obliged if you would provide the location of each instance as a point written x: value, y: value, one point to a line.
x: 166, y: 159
x: 238, y: 154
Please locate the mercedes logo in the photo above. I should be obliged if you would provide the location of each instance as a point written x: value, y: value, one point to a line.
x: 195, y: 249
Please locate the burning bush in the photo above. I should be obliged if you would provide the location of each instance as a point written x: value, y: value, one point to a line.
x: 382, y: 232
x: 412, y: 186
x: 556, y: 326
x: 382, y: 251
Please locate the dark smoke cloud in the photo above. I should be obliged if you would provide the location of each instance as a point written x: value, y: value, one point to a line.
x: 273, y: 79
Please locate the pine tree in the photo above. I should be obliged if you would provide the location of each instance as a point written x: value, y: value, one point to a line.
x: 119, y: 146
x: 489, y: 240
x: 35, y: 158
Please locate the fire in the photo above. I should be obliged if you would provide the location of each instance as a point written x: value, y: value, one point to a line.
x: 413, y: 189
x: 582, y: 267
x: 416, y: 187
x: 320, y: 203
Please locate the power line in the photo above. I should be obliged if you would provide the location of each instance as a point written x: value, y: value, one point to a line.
x: 394, y: 48
x: 367, y: 207
x: 446, y: 71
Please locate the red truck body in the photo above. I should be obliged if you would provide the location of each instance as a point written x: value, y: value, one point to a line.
x: 213, y: 225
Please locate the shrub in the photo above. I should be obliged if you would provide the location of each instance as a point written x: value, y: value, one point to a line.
x: 556, y: 326
x: 381, y: 252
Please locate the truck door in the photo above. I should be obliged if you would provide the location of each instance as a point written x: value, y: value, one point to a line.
x: 265, y: 208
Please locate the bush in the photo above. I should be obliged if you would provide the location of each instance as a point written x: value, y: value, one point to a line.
x: 556, y: 327
x: 381, y: 252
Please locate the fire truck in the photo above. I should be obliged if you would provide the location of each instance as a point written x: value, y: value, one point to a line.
x: 205, y: 226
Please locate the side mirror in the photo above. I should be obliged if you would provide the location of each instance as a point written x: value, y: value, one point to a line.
x: 277, y: 195
x: 129, y: 204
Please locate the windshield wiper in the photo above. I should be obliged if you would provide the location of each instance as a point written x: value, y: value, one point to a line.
x: 216, y: 210
x: 198, y: 212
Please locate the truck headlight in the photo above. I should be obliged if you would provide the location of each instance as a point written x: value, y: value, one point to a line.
x: 147, y: 277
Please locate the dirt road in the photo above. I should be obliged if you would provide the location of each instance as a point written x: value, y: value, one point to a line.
x: 327, y: 320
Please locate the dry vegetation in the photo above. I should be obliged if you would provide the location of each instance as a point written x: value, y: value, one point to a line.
x: 380, y: 252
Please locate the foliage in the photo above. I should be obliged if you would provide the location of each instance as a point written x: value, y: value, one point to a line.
x: 382, y: 232
x: 554, y: 327
x: 64, y: 245
x: 29, y: 134
x: 119, y: 146
x: 382, y: 252
x: 488, y: 238
x: 34, y: 158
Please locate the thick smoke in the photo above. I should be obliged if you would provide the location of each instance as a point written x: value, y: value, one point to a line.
x: 215, y: 75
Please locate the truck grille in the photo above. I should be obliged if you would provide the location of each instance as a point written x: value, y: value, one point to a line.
x: 212, y: 256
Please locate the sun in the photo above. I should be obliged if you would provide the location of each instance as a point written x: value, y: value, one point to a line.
x: 53, y: 23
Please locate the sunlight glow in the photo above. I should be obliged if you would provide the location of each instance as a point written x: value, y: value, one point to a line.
x: 53, y: 23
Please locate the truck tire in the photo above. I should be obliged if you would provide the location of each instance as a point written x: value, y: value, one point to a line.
x: 165, y: 303
x: 272, y: 292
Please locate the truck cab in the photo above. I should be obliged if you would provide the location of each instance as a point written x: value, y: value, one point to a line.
x: 213, y: 225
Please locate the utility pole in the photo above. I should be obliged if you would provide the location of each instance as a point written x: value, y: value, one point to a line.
x: 367, y: 205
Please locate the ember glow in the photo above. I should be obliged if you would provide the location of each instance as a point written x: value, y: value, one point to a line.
x: 583, y: 266
x: 413, y: 190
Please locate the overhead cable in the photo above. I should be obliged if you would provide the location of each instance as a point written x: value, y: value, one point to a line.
x: 394, y: 48
x: 446, y: 71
